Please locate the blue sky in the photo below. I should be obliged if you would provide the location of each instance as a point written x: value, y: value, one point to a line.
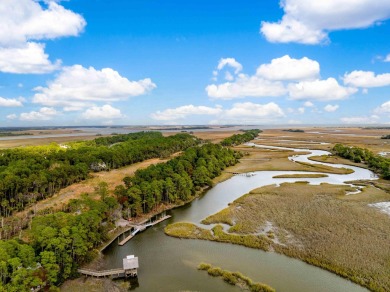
x: 171, y: 62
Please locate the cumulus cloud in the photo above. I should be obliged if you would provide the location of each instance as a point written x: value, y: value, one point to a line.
x: 10, y: 102
x: 239, y: 113
x: 185, y: 111
x: 308, y: 104
x: 44, y: 114
x: 360, y: 120
x: 387, y: 59
x: 286, y: 68
x: 246, y: 86
x: 383, y: 108
x: 252, y: 111
x: 321, y: 90
x: 22, y: 23
x: 298, y: 78
x: 308, y: 21
x: 28, y: 58
x: 366, y: 79
x: 301, y: 110
x: 103, y: 112
x: 231, y: 62
x: 12, y: 117
x: 25, y: 20
x: 331, y: 108
x: 77, y: 87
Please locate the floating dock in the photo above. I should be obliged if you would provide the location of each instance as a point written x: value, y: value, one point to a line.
x: 139, y: 228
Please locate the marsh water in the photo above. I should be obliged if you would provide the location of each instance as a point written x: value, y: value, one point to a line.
x: 169, y: 264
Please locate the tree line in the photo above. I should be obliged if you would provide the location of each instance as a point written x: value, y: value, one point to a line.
x: 238, y: 139
x: 29, y: 174
x: 59, y: 243
x: 375, y: 162
x: 173, y: 181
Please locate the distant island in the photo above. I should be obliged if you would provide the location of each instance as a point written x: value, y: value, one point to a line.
x: 294, y: 130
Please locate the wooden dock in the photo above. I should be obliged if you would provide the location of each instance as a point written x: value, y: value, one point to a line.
x: 130, y: 269
x: 99, y: 274
x: 139, y: 228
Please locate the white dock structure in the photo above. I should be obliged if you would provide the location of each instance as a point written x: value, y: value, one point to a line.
x: 142, y: 227
x: 130, y: 269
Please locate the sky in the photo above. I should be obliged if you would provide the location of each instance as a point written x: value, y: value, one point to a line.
x: 150, y: 62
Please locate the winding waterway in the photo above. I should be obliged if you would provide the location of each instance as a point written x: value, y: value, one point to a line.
x: 169, y: 264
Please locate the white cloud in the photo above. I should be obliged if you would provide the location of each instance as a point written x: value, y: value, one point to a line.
x: 366, y: 79
x: 331, y: 108
x: 308, y: 104
x: 383, y: 108
x: 286, y: 68
x: 387, y: 59
x: 12, y: 117
x: 252, y: 111
x: 185, y: 111
x: 308, y: 21
x: 322, y: 90
x: 77, y: 87
x: 301, y: 110
x: 246, y: 86
x: 10, y: 102
x: 103, y: 112
x: 28, y: 58
x: 360, y: 120
x: 43, y: 114
x: 24, y: 20
x: 240, y: 113
x: 271, y: 80
x: 231, y: 62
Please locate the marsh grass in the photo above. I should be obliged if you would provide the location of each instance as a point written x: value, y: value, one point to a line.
x: 303, y: 175
x: 235, y: 278
x: 316, y: 224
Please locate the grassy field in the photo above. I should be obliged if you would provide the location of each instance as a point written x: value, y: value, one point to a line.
x: 365, y: 138
x: 317, y: 224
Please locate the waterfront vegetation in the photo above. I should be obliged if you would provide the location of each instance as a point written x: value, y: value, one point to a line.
x: 59, y: 242
x: 375, y: 162
x: 235, y: 278
x: 238, y: 139
x: 301, y: 175
x: 308, y: 222
x: 174, y: 181
x: 29, y: 174
x: 298, y: 220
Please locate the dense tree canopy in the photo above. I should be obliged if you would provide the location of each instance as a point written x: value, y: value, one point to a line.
x: 377, y: 163
x: 238, y: 139
x: 32, y: 173
x: 176, y: 180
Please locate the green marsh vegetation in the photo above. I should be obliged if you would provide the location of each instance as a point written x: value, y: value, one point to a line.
x: 316, y: 224
x: 235, y: 278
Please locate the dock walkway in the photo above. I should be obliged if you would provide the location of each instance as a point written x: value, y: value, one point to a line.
x: 106, y: 273
x: 139, y: 228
